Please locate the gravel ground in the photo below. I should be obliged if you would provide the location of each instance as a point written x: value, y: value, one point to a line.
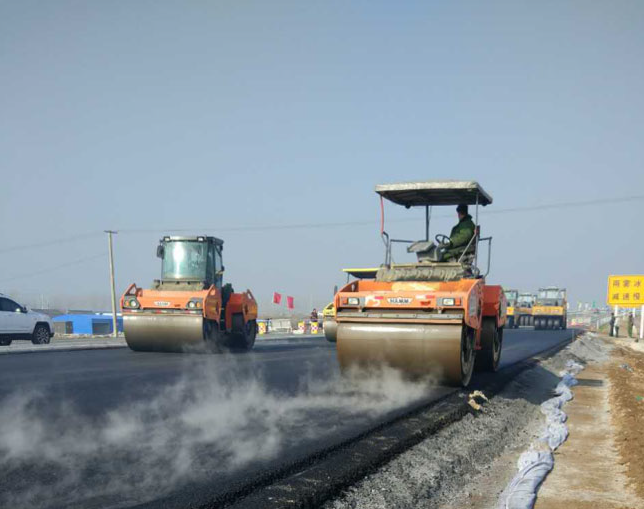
x: 470, y: 463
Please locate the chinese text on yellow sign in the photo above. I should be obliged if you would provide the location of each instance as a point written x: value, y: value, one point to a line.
x: 626, y: 291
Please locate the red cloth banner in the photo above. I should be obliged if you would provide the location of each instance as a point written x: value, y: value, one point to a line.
x: 290, y: 302
x: 277, y: 298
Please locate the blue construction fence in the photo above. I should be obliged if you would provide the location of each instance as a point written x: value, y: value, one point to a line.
x: 90, y: 324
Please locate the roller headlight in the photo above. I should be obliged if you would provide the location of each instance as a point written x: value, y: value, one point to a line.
x: 131, y: 303
x: 353, y: 301
x: 448, y: 301
x: 195, y: 303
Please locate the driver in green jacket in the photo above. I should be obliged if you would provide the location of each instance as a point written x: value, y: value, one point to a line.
x: 461, y: 234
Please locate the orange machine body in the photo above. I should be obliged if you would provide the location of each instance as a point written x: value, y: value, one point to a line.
x: 465, y: 301
x: 207, y: 303
x: 495, y: 304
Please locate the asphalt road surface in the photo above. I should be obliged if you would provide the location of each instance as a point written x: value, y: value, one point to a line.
x: 116, y: 428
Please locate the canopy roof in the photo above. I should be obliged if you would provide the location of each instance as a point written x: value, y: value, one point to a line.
x: 435, y: 192
x: 367, y: 273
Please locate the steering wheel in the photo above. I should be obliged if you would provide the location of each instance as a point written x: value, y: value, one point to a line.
x: 443, y: 240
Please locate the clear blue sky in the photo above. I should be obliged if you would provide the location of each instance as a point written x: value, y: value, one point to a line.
x: 154, y: 115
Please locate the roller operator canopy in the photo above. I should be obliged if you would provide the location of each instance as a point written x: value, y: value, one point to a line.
x: 435, y: 192
x: 362, y: 273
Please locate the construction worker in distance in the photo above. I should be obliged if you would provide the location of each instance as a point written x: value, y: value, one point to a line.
x: 461, y: 234
x: 629, y: 325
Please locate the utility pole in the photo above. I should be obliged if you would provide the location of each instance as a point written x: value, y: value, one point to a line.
x: 114, y: 321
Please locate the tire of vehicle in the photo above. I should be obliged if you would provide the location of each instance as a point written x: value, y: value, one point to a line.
x: 213, y: 338
x: 468, y: 355
x: 40, y: 335
x: 5, y: 341
x: 243, y: 333
x: 489, y: 356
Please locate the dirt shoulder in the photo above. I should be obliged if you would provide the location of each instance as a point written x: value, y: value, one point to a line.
x: 601, y: 465
x: 626, y: 375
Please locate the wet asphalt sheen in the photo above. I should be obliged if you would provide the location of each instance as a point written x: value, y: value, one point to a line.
x: 96, y: 381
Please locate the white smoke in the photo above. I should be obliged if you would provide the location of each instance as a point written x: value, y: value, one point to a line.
x: 51, y: 455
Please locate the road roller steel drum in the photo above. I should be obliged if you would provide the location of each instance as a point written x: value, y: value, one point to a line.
x: 163, y: 333
x: 418, y: 350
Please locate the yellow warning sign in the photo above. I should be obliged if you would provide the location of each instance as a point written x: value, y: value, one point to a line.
x: 626, y: 291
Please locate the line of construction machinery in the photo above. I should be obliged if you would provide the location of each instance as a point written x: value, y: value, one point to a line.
x: 545, y: 310
x: 435, y: 317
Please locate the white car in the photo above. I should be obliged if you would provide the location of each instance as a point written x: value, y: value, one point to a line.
x: 19, y: 322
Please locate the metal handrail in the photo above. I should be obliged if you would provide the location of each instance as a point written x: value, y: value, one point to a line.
x: 489, y: 253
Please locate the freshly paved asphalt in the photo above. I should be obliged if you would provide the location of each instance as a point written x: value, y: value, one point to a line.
x: 87, y: 386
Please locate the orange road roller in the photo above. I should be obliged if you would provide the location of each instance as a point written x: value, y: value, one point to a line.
x: 436, y: 317
x: 189, y: 308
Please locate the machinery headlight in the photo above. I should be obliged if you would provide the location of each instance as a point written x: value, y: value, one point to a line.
x: 132, y: 303
x: 195, y: 304
x: 450, y: 301
x: 353, y: 301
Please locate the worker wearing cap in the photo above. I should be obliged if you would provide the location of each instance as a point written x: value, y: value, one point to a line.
x: 461, y: 234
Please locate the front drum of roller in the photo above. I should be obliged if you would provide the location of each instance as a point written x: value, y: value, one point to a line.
x: 331, y: 330
x: 163, y: 332
x: 415, y: 349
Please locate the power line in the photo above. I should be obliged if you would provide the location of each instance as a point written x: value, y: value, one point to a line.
x: 63, y: 240
x: 565, y: 205
x: 339, y: 224
x: 57, y: 267
x: 295, y: 226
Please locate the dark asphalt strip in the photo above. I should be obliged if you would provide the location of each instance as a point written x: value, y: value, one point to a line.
x: 319, y: 478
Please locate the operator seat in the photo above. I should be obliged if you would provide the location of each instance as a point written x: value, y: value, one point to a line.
x: 426, y: 251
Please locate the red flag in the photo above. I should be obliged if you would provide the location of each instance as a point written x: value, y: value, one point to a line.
x: 290, y: 302
x: 277, y: 298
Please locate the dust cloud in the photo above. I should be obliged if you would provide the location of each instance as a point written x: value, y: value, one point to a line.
x: 202, y: 426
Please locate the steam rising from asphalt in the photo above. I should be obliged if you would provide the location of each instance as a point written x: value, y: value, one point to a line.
x: 193, y: 430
